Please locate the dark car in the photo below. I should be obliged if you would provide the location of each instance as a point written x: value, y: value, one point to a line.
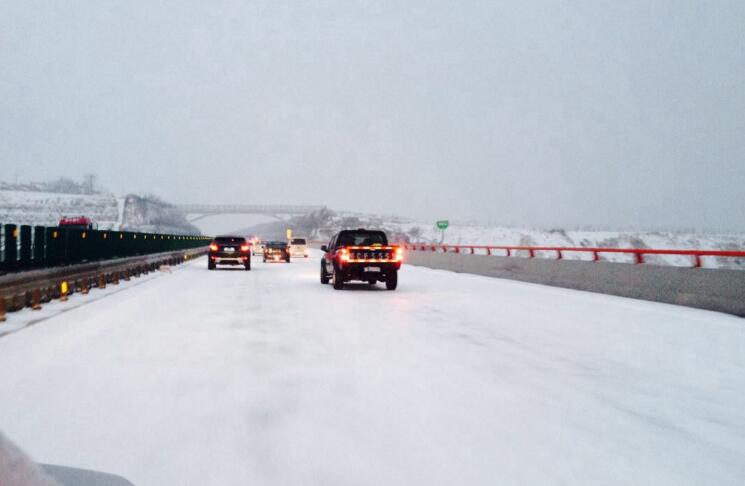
x: 229, y: 250
x: 363, y: 255
x: 276, y: 251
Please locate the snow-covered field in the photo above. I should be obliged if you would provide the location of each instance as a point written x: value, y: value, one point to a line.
x: 463, y: 233
x: 471, y: 233
x: 269, y: 378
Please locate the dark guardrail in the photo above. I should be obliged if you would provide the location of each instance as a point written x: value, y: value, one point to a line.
x: 32, y: 247
x: 34, y: 287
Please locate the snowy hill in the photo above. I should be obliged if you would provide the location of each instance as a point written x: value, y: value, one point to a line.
x: 154, y: 215
x: 134, y: 213
x: 46, y: 208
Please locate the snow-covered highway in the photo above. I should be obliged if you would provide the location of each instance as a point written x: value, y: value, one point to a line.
x: 269, y: 378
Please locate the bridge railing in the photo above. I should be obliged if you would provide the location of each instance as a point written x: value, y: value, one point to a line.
x: 247, y: 208
x: 30, y: 247
x: 637, y: 255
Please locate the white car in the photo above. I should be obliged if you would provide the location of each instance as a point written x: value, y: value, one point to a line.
x: 298, y: 248
x: 257, y: 247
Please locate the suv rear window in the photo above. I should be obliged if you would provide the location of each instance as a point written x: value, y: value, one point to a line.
x: 230, y: 239
x: 362, y: 238
x: 297, y: 241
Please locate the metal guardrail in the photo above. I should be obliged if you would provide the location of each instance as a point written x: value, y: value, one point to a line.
x: 31, y: 247
x: 560, y: 252
x: 32, y: 288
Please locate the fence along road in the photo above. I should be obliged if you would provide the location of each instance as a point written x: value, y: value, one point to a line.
x: 30, y: 247
x: 268, y: 377
x: 39, y: 263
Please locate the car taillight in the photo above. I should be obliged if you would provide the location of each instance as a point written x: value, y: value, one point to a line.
x: 399, y: 255
x: 244, y: 247
x: 213, y: 247
x: 344, y: 255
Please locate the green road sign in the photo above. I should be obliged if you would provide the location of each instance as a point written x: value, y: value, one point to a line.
x: 443, y: 224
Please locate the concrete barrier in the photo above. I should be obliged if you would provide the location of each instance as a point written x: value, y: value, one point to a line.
x: 717, y: 290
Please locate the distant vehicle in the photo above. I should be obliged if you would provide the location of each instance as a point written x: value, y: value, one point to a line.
x: 229, y: 250
x: 360, y: 255
x: 77, y: 222
x: 257, y: 247
x: 298, y: 247
x: 276, y: 251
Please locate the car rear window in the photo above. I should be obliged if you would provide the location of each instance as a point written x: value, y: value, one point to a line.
x: 362, y: 238
x: 298, y: 241
x: 230, y: 239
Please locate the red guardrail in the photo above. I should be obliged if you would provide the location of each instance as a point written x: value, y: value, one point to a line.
x: 559, y: 251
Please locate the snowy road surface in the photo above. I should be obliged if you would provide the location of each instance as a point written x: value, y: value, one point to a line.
x: 269, y: 378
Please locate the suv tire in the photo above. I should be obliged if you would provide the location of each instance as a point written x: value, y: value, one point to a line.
x: 338, y: 279
x: 392, y: 281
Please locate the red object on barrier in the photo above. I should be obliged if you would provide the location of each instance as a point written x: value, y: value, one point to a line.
x: 637, y: 253
x: 81, y: 222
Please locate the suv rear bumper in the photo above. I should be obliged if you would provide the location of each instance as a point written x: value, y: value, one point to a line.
x: 231, y: 260
x: 364, y: 271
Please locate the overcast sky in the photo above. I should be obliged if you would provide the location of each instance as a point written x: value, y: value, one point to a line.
x: 535, y: 113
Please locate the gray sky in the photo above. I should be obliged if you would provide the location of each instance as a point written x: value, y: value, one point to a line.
x: 542, y: 113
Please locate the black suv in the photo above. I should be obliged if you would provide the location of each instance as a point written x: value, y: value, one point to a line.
x: 229, y: 250
x: 361, y: 255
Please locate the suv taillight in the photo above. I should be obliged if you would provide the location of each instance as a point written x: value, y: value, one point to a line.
x: 213, y: 247
x: 244, y: 247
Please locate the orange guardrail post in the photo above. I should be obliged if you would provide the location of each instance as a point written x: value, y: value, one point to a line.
x: 36, y: 299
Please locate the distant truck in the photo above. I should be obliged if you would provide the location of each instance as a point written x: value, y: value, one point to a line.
x: 77, y: 222
x: 360, y: 255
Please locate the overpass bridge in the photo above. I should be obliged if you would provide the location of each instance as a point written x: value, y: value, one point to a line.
x: 278, y: 211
